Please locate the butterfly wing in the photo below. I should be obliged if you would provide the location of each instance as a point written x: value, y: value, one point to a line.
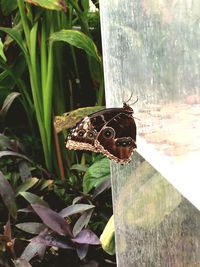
x: 117, y: 138
x: 83, y: 135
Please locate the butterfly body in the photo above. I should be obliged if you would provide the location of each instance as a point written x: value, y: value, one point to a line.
x: 111, y: 131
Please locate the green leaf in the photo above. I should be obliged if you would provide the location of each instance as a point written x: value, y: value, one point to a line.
x: 31, y: 227
x: 79, y: 40
x: 8, y: 195
x: 8, y: 6
x: 85, y: 5
x: 33, y: 199
x: 45, y: 183
x: 79, y: 167
x: 16, y: 36
x: 49, y: 4
x: 1, y: 51
x: 12, y: 74
x: 26, y: 185
x: 7, y: 102
x: 107, y: 238
x: 69, y: 119
x: 5, y: 142
x: 96, y: 173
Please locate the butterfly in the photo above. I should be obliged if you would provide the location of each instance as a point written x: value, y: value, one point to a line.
x: 111, y: 131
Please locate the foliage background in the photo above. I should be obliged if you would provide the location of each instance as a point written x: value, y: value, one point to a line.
x: 55, y: 202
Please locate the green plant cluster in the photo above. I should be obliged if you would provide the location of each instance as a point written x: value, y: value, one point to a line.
x: 54, y: 203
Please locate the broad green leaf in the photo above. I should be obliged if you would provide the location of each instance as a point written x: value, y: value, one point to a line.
x: 79, y: 167
x: 8, y: 6
x: 79, y: 40
x: 49, y: 4
x: 96, y: 69
x: 53, y: 220
x: 69, y: 119
x: 76, y: 208
x: 31, y: 227
x: 8, y: 195
x: 32, y: 198
x: 1, y: 51
x: 17, y: 28
x: 7, y: 102
x: 96, y: 173
x: 16, y: 36
x: 85, y: 5
x: 26, y: 185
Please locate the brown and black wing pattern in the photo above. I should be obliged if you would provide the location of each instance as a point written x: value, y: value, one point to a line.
x: 117, y: 139
x: 83, y: 135
x: 109, y: 131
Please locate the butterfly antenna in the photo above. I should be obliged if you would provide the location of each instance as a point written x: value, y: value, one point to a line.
x: 134, y: 101
x: 129, y: 98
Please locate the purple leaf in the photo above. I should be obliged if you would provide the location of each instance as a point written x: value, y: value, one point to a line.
x: 33, y: 249
x: 22, y: 263
x: 53, y: 220
x: 26, y: 210
x: 77, y: 199
x: 15, y: 154
x: 82, y: 250
x: 51, y: 241
x: 82, y: 221
x: 102, y: 187
x: 86, y: 236
x: 8, y: 195
x: 73, y: 209
x: 31, y: 227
